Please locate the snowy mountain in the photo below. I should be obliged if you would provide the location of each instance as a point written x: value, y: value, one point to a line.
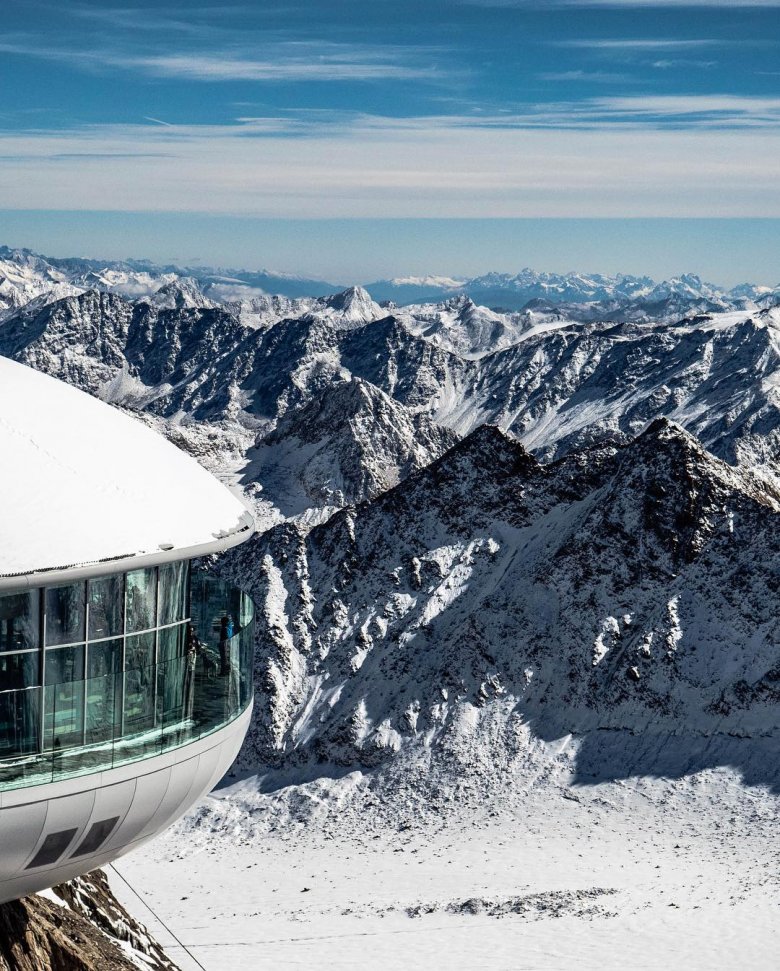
x: 498, y: 578
x: 459, y: 325
x: 348, y: 443
x: 622, y: 588
x: 584, y: 296
x: 219, y: 376
x: 25, y: 275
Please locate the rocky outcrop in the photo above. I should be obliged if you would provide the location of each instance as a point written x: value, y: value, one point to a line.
x: 77, y: 926
x: 346, y: 444
x: 623, y: 588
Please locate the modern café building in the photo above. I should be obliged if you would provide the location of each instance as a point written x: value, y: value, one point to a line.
x: 125, y: 667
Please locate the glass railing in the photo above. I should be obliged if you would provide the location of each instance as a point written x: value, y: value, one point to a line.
x: 58, y: 731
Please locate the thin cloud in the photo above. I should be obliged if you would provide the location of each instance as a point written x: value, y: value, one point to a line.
x: 722, y: 110
x: 294, y: 61
x: 595, y: 76
x: 640, y: 44
x: 347, y: 66
x: 391, y: 167
x: 666, y: 63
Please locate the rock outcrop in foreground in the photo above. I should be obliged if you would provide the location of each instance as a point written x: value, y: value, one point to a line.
x: 77, y: 926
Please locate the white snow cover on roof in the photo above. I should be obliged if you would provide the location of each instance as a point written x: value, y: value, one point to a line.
x: 82, y: 482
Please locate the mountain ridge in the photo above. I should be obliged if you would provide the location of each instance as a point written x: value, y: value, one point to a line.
x: 508, y: 291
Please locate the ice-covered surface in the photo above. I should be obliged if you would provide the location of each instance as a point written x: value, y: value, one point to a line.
x: 83, y: 482
x: 352, y: 871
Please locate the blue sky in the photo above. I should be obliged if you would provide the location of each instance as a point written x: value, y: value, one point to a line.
x: 371, y: 133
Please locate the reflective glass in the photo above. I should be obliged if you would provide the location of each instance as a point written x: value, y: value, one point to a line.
x: 247, y: 659
x: 104, y: 691
x: 173, y: 592
x: 20, y: 670
x: 65, y: 612
x: 139, y: 683
x: 141, y: 599
x: 20, y: 621
x: 64, y: 664
x: 115, y: 698
x: 20, y: 722
x: 139, y: 651
x: 171, y: 643
x: 63, y: 721
x: 104, y: 596
x: 246, y: 610
x: 171, y: 684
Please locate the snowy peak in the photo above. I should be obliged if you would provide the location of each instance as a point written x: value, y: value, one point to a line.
x: 685, y: 493
x: 350, y: 307
x: 488, y: 587
x: 183, y: 293
x: 346, y: 444
x: 464, y: 328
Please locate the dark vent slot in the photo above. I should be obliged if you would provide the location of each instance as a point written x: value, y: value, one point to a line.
x: 52, y: 849
x: 96, y: 837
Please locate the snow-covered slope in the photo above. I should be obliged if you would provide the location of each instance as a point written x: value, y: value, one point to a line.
x: 629, y: 588
x: 459, y: 325
x: 555, y: 382
x: 24, y: 276
x: 344, y: 445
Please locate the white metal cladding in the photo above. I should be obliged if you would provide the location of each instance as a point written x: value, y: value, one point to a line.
x: 141, y: 800
x: 11, y: 583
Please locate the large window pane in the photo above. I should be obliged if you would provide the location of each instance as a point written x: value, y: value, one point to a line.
x: 105, y: 606
x: 64, y: 698
x: 63, y: 722
x: 65, y: 612
x: 20, y: 670
x: 171, y: 643
x: 104, y: 691
x: 141, y: 599
x: 246, y: 611
x: 140, y: 683
x: 172, y: 684
x: 20, y: 722
x: 139, y: 651
x: 173, y: 592
x: 64, y: 664
x: 20, y: 621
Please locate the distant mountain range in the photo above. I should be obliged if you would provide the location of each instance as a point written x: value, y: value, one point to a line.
x: 24, y: 274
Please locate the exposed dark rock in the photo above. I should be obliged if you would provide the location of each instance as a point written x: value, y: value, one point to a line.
x: 84, y: 933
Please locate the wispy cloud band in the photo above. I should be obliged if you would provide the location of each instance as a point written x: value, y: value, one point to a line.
x: 373, y: 167
x: 319, y: 61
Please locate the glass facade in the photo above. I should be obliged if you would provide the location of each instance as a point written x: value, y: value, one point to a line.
x: 105, y: 671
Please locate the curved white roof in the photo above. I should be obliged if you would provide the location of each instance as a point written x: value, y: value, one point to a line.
x: 82, y: 483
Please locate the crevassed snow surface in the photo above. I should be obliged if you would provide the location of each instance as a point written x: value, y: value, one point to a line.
x: 83, y: 482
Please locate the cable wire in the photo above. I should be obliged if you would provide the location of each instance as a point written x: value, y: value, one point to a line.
x: 156, y: 916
